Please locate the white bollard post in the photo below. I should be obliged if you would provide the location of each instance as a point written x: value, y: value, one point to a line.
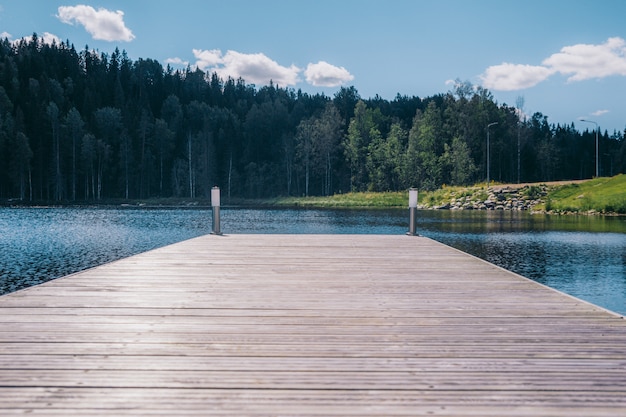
x: 412, y: 212
x: 215, y: 204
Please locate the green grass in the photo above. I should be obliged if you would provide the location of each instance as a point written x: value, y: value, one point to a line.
x: 349, y: 200
x: 603, y: 195
x: 446, y: 194
x: 398, y: 199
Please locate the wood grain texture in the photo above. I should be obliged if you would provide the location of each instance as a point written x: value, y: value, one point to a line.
x: 307, y: 325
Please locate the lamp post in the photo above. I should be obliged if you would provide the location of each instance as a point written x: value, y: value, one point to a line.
x: 412, y: 212
x: 488, y: 126
x: 597, y: 154
x: 215, y: 203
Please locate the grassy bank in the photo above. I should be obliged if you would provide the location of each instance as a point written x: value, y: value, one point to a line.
x: 600, y: 195
x: 349, y: 200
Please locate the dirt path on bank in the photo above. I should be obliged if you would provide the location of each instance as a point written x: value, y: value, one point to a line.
x: 499, y: 187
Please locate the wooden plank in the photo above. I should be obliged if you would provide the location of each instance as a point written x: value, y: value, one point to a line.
x: 307, y: 325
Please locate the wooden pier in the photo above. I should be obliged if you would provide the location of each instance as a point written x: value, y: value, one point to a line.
x: 307, y: 325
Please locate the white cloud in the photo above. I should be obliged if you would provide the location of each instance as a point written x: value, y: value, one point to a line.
x: 206, y: 59
x: 6, y: 35
x: 49, y: 38
x: 260, y: 69
x: 599, y: 112
x: 581, y: 62
x: 177, y: 61
x: 102, y: 24
x: 590, y: 61
x: 324, y: 74
x: 509, y: 77
x: 253, y: 68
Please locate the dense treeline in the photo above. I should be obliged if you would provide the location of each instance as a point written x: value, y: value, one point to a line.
x: 78, y: 126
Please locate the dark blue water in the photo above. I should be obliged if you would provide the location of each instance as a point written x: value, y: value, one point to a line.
x: 584, y: 256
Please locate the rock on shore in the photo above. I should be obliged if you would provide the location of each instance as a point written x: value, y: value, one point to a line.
x: 500, y: 198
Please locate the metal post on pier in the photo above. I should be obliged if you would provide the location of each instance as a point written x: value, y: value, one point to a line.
x: 412, y: 212
x: 215, y: 204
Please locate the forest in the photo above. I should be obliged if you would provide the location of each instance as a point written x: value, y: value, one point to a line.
x: 83, y: 126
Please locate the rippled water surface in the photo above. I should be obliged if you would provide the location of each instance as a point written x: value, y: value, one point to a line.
x: 581, y: 255
x: 38, y: 244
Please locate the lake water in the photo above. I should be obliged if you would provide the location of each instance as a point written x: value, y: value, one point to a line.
x: 584, y: 256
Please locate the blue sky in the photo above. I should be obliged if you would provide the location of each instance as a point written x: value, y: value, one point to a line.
x: 566, y: 59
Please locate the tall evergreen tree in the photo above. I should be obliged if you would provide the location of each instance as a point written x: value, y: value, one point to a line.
x: 55, y: 123
x: 20, y: 168
x: 74, y: 126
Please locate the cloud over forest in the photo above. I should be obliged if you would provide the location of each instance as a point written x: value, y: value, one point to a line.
x: 577, y: 62
x: 102, y: 24
x: 258, y: 68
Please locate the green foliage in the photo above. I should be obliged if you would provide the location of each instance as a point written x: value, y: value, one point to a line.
x: 363, y: 133
x: 458, y: 162
x: 317, y: 142
x: 426, y: 137
x: 84, y: 125
x: 533, y: 192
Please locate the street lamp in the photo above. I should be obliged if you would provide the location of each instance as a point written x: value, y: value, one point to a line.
x: 488, y: 126
x: 597, y: 154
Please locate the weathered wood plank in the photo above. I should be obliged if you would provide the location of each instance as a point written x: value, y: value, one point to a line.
x: 243, y: 363
x: 307, y: 325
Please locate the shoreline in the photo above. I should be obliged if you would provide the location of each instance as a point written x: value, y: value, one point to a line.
x: 580, y: 197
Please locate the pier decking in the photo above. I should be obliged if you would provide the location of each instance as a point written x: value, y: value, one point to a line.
x: 307, y: 325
